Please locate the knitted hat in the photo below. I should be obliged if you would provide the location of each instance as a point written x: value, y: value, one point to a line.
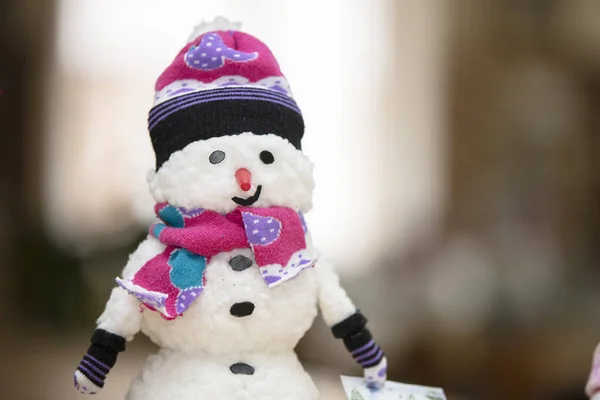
x: 223, y: 82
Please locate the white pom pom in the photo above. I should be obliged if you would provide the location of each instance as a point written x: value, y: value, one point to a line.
x: 218, y: 24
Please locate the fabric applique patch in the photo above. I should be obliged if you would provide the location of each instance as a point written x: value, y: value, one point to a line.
x: 212, y: 52
x: 261, y: 231
x: 170, y: 282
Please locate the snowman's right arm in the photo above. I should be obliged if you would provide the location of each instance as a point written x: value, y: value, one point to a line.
x: 119, y: 323
x: 122, y: 315
x: 350, y: 325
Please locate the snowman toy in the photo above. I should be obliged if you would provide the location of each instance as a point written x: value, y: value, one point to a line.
x: 228, y: 282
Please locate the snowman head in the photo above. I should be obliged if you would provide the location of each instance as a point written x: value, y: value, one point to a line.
x: 225, y: 129
x: 226, y: 172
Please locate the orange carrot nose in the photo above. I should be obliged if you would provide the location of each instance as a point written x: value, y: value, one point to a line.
x: 244, y: 179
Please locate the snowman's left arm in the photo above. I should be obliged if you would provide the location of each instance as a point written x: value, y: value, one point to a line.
x: 350, y: 325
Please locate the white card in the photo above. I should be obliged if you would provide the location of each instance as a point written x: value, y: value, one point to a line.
x: 356, y: 390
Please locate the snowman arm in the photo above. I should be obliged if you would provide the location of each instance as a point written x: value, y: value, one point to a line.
x: 122, y: 315
x: 119, y: 323
x: 334, y: 303
x: 350, y: 325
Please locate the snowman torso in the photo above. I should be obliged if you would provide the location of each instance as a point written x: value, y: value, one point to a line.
x: 238, y: 312
x: 236, y: 341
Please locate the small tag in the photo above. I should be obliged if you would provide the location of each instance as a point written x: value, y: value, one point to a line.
x: 356, y: 390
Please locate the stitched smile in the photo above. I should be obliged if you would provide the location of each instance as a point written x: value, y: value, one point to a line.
x: 250, y: 200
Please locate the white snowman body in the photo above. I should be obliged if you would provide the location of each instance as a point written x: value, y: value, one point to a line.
x: 237, y: 340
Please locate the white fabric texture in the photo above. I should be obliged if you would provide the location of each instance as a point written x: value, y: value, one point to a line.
x: 84, y: 385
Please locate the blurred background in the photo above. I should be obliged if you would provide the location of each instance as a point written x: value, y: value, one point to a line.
x: 459, y: 138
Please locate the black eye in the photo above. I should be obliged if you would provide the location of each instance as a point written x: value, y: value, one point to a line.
x: 216, y: 157
x: 266, y: 157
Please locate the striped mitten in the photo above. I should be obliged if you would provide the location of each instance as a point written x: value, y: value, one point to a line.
x: 364, y: 350
x: 96, y: 364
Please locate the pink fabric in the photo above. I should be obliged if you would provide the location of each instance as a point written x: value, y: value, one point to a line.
x: 593, y: 384
x: 154, y: 277
x: 263, y: 66
x: 211, y: 233
x: 172, y: 280
x: 207, y: 234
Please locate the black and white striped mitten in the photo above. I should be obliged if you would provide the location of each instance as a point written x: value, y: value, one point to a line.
x: 359, y: 342
x: 96, y: 364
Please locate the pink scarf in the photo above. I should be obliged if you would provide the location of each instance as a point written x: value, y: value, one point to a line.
x: 170, y: 282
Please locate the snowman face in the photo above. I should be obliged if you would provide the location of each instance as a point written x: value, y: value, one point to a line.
x: 226, y: 172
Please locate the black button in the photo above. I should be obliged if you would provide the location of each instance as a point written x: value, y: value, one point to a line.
x: 240, y: 263
x: 242, y: 309
x: 242, y: 369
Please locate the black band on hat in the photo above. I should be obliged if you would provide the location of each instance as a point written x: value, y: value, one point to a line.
x: 184, y: 120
